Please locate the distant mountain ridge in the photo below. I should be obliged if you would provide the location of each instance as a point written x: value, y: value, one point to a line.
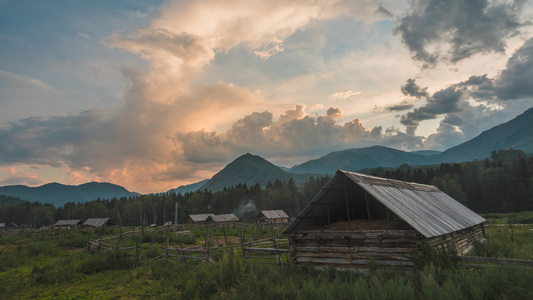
x: 188, y: 188
x: 360, y: 158
x: 516, y: 134
x: 59, y: 194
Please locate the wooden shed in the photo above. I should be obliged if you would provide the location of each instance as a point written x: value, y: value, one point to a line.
x: 198, y: 219
x: 224, y: 219
x: 356, y: 220
x: 95, y: 222
x: 274, y: 216
x: 66, y: 224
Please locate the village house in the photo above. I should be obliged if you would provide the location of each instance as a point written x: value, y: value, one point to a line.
x: 95, y: 222
x: 225, y: 219
x: 274, y: 216
x: 198, y: 219
x: 357, y: 220
x: 201, y: 219
x: 66, y: 224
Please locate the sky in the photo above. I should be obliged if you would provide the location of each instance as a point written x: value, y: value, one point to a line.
x: 152, y: 95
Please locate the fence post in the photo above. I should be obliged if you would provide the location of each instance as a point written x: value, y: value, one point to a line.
x: 242, y: 241
x: 166, y: 249
x: 137, y: 253
x: 278, y: 255
x: 225, y: 236
x: 206, y: 243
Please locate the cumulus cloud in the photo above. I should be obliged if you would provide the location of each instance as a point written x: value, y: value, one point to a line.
x: 137, y: 145
x: 294, y: 134
x: 452, y: 30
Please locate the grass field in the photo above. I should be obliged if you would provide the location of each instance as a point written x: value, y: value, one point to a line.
x: 58, y: 266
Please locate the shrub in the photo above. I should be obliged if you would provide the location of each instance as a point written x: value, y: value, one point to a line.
x: 113, y: 261
x: 44, y: 248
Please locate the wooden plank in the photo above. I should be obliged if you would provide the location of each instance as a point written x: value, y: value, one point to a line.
x: 364, y: 256
x: 311, y: 249
x: 344, y: 261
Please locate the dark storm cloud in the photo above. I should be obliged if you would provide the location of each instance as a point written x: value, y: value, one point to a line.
x: 413, y: 90
x: 400, y: 107
x: 477, y: 100
x: 516, y: 81
x: 442, y: 102
x: 47, y: 141
x: 463, y: 28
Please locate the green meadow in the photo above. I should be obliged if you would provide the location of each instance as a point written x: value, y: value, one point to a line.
x: 58, y: 265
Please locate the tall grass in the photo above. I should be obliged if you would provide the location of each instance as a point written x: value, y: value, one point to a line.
x: 29, y: 269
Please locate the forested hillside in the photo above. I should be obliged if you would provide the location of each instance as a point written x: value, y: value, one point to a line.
x: 503, y: 183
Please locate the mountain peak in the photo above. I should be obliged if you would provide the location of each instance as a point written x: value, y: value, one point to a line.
x: 247, y: 169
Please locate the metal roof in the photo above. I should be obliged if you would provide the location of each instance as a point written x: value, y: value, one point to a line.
x: 424, y: 207
x: 274, y: 214
x: 67, y: 223
x: 95, y: 222
x: 225, y: 218
x: 200, y: 217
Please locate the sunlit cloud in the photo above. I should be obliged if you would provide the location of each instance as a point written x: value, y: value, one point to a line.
x: 343, y: 95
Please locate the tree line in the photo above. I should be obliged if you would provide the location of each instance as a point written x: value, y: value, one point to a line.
x: 502, y: 183
x: 245, y: 202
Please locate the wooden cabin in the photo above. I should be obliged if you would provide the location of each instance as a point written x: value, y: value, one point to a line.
x: 274, y: 216
x: 357, y: 220
x: 66, y: 224
x: 95, y: 222
x: 225, y: 219
x: 198, y: 219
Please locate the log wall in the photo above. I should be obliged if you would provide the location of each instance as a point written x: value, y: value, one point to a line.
x: 358, y: 249
x: 355, y: 249
x: 461, y: 240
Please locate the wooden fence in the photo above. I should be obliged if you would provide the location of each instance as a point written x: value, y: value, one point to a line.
x: 267, y: 250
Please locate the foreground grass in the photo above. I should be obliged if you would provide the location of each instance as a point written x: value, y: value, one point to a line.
x: 38, y: 267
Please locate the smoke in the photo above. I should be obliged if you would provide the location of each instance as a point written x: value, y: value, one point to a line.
x: 246, y: 210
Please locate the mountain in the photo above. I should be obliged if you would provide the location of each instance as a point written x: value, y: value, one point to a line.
x: 59, y: 194
x: 360, y: 158
x: 427, y: 152
x: 188, y: 188
x: 516, y: 134
x: 250, y: 169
